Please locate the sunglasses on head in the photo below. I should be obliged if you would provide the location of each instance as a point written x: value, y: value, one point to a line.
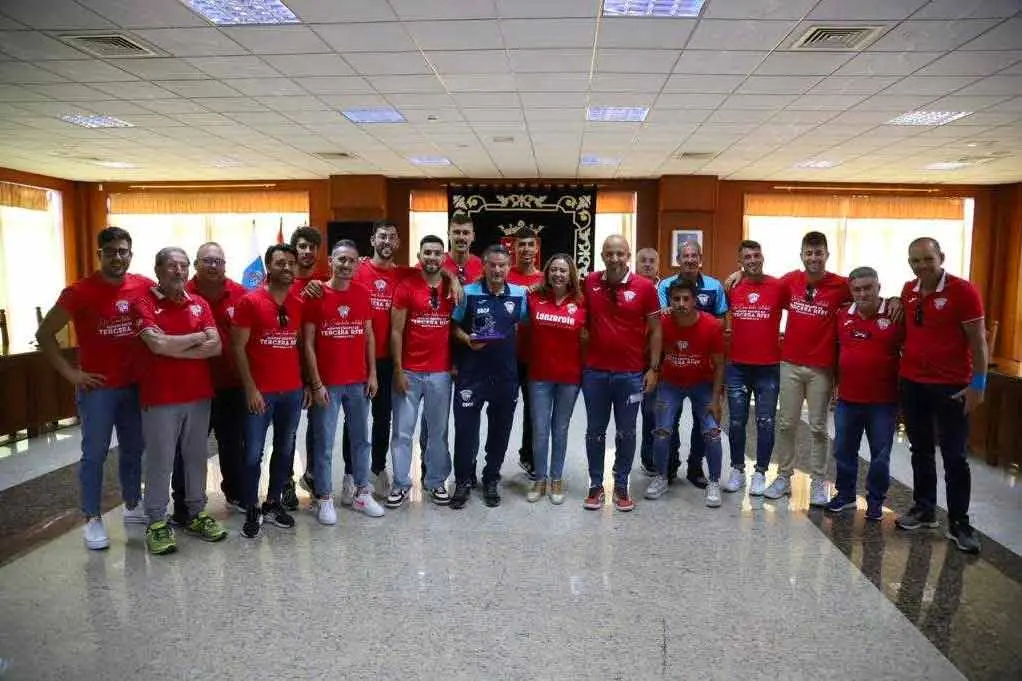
x: 282, y: 316
x: 919, y: 314
x: 810, y: 293
x: 434, y: 297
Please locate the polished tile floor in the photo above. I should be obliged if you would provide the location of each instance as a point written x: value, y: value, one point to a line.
x: 672, y: 590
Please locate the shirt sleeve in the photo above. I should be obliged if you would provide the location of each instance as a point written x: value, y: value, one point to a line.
x: 69, y: 299
x: 652, y: 304
x: 721, y: 308
x: 971, y: 307
x: 244, y: 313
x: 458, y: 313
x: 144, y: 315
x: 661, y: 290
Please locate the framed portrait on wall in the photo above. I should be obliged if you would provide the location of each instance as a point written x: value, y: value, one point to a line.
x: 679, y: 237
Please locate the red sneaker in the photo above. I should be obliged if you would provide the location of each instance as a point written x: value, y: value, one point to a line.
x: 594, y: 500
x: 622, y: 501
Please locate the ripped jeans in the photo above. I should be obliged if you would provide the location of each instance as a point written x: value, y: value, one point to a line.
x: 604, y: 392
x: 670, y: 399
x: 743, y: 381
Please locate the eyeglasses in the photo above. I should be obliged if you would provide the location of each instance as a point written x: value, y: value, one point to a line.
x: 919, y: 314
x: 434, y: 297
x: 213, y: 262
x: 810, y: 293
x: 114, y: 252
x: 282, y: 316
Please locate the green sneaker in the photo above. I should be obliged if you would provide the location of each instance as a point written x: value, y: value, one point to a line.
x: 159, y: 538
x: 206, y: 528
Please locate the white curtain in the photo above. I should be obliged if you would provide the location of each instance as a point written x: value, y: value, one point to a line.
x: 32, y: 271
x: 422, y: 223
x: 609, y: 224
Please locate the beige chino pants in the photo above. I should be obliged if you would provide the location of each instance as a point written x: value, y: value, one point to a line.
x: 814, y: 386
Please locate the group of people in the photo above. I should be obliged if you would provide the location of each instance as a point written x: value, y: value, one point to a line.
x: 164, y: 362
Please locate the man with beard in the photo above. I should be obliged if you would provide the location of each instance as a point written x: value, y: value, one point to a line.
x: 180, y: 334
x: 265, y: 340
x: 526, y: 273
x: 459, y: 260
x: 105, y: 380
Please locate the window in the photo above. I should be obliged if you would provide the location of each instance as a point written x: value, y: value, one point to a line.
x: 32, y: 271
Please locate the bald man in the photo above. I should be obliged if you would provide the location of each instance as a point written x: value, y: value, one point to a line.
x: 647, y: 264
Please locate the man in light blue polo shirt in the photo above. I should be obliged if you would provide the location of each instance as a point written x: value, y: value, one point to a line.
x: 710, y: 298
x: 486, y: 326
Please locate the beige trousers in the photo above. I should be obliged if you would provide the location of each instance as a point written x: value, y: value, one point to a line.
x: 814, y: 386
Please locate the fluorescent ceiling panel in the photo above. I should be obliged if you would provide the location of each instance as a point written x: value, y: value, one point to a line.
x: 928, y: 117
x: 652, y: 8
x: 617, y: 114
x: 239, y: 12
x: 91, y: 121
x: 379, y: 114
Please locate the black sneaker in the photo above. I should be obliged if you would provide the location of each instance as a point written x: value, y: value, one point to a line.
x: 696, y: 477
x: 276, y: 515
x: 526, y: 465
x: 396, y: 497
x: 462, y: 491
x: 289, y: 497
x: 253, y: 522
x: 963, y: 536
x: 439, y: 496
x: 917, y: 518
x: 491, y: 496
x: 474, y: 482
x: 308, y: 484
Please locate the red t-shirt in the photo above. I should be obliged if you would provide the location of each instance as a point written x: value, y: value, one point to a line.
x: 273, y: 356
x: 340, y: 318
x: 937, y: 351
x: 756, y: 320
x: 472, y: 271
x: 869, y: 353
x: 617, y: 321
x: 172, y: 380
x: 299, y: 284
x: 528, y: 281
x: 810, y: 338
x: 222, y: 368
x: 426, y: 345
x: 381, y: 282
x: 101, y: 313
x: 689, y: 350
x: 554, y: 348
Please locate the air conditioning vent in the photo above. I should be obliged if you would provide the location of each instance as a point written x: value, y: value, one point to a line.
x: 111, y: 45
x: 694, y: 156
x: 837, y: 38
x: 335, y: 156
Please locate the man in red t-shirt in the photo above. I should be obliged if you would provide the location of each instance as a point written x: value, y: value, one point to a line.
x: 265, y: 340
x: 105, y: 380
x: 527, y: 273
x: 622, y: 362
x: 460, y: 261
x: 943, y: 379
x: 808, y: 357
x: 869, y: 350
x: 420, y: 346
x: 180, y: 334
x: 753, y: 365
x: 340, y: 356
x: 693, y: 368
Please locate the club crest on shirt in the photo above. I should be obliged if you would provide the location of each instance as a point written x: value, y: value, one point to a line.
x: 122, y: 306
x: 344, y: 311
x: 230, y: 311
x: 883, y: 323
x: 629, y: 296
x: 509, y: 305
x: 682, y: 345
x: 703, y: 298
x: 196, y: 310
x: 380, y: 284
x: 572, y: 308
x: 753, y: 298
x: 939, y: 303
x: 466, y: 395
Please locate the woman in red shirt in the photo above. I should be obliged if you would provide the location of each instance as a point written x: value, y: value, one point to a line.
x: 557, y: 334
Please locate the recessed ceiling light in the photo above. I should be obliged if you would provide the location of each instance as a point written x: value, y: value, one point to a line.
x: 948, y: 165
x: 818, y: 165
x: 652, y: 8
x: 116, y: 164
x: 593, y: 160
x: 226, y: 163
x: 928, y: 117
x: 617, y: 114
x: 429, y: 160
x: 503, y: 139
x: 92, y: 121
x: 235, y: 12
x: 378, y: 114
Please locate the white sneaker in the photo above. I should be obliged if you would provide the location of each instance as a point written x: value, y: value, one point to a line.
x: 657, y: 487
x: 384, y: 481
x: 364, y: 503
x: 713, y: 494
x: 818, y: 492
x: 135, y: 516
x: 326, y: 514
x: 347, y: 490
x: 780, y: 487
x: 758, y: 484
x: 735, y: 481
x: 95, y: 535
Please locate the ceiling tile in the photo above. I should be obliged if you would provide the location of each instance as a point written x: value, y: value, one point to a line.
x: 929, y: 85
x: 415, y: 10
x: 114, y: 107
x: 894, y: 103
x: 234, y: 67
x: 439, y: 101
x: 932, y: 35
x: 406, y: 84
x: 492, y: 115
x: 1014, y: 104
x: 703, y: 83
x: 331, y: 11
x: 261, y: 118
x: 25, y: 73
x: 174, y: 106
x: 291, y: 102
x: 134, y: 14
x: 551, y: 60
x: 32, y: 46
x: 635, y: 61
x: 994, y: 85
x: 332, y: 85
x: 455, y: 35
x: 689, y: 100
x: 886, y: 63
x: 799, y: 64
x: 469, y: 61
x: 1004, y: 37
x: 277, y: 39
x: 738, y: 116
x: 480, y: 83
x: 59, y: 16
x: 569, y: 105
x: 865, y: 10
x: 752, y: 102
x: 68, y: 92
x: 736, y: 62
x: 510, y: 9
x: 553, y: 33
x: 197, y: 88
x: 613, y: 82
x: 777, y: 85
x: 961, y: 63
x: 750, y: 35
x: 387, y: 63
x: 161, y: 69
x: 826, y: 102
x: 298, y: 65
x: 644, y: 33
x: 234, y: 104
x: 551, y: 82
x: 858, y: 85
x: 622, y: 98
x: 968, y: 9
x: 758, y: 9
x: 366, y: 37
x: 485, y: 99
x: 192, y: 42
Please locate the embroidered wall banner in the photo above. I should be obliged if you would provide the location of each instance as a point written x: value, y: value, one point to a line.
x: 564, y: 217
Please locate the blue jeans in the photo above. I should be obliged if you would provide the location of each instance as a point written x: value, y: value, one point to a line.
x: 500, y: 395
x: 434, y: 390
x: 669, y: 401
x: 878, y: 421
x: 323, y: 422
x: 696, y: 451
x: 552, y: 404
x: 283, y: 411
x: 101, y: 410
x: 743, y: 381
x: 605, y: 391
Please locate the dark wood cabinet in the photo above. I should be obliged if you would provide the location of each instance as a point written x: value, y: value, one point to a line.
x: 32, y: 394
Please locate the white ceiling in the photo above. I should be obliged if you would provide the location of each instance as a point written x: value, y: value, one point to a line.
x: 267, y: 98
